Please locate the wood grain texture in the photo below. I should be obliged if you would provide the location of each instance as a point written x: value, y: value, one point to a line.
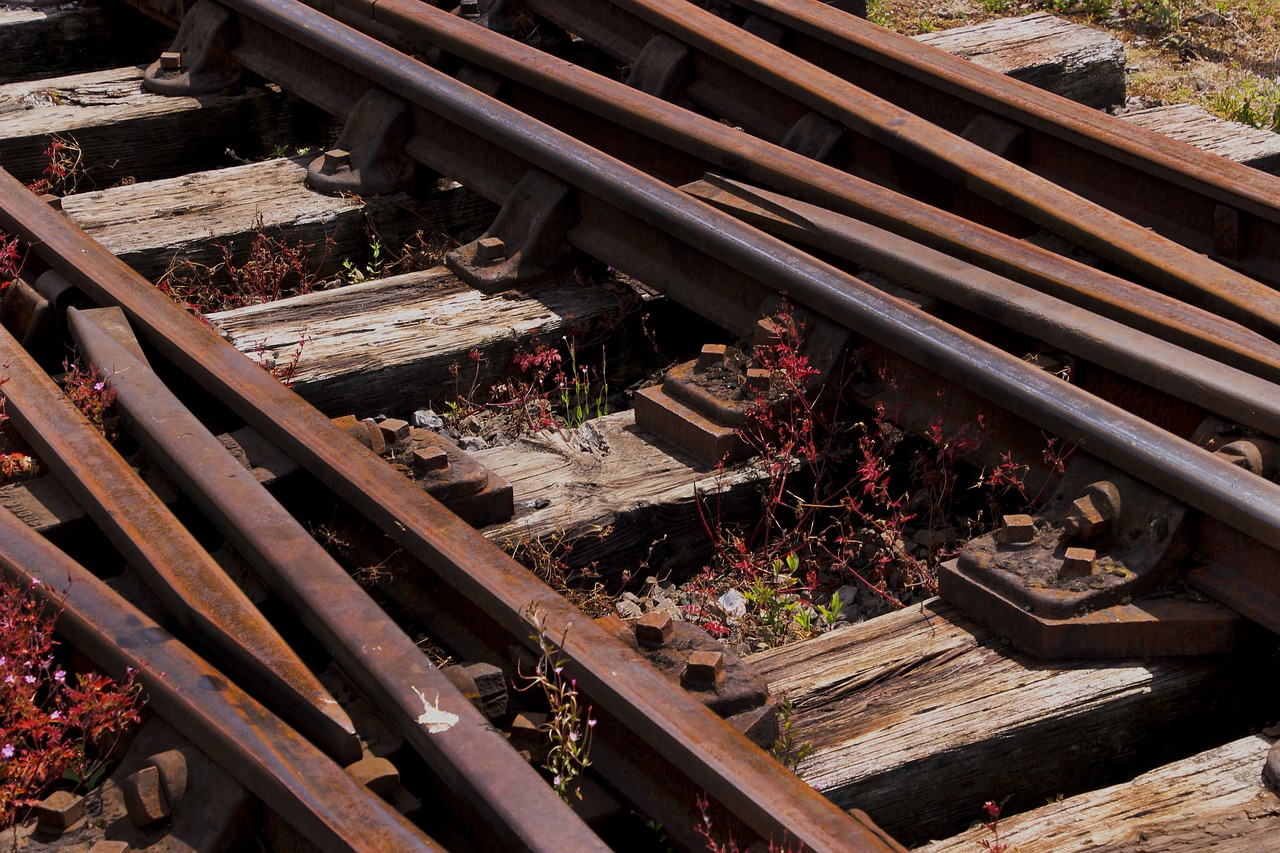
x: 1214, y: 801
x: 390, y: 345
x: 76, y: 37
x: 1068, y: 59
x: 618, y: 495
x: 1196, y: 126
x: 149, y: 225
x: 920, y: 716
x: 129, y: 134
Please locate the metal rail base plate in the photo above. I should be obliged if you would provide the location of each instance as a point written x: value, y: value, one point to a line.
x: 1147, y: 627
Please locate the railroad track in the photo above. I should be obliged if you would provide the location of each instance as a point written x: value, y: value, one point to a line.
x: 721, y: 223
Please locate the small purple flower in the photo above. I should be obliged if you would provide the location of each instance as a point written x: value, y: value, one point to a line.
x: 98, y: 386
x: 56, y: 715
x: 556, y: 781
x: 591, y: 723
x: 8, y: 679
x: 31, y: 679
x: 7, y: 751
x: 60, y: 676
x: 573, y: 737
x: 3, y: 660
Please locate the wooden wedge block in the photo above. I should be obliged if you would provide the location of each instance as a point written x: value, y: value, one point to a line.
x: 921, y: 716
x: 1068, y: 59
x: 1212, y: 801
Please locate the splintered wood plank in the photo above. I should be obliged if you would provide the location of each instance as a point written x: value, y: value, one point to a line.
x: 76, y: 37
x: 128, y: 134
x: 150, y: 225
x: 1196, y: 126
x: 617, y: 496
x: 1068, y: 59
x: 921, y: 716
x: 1212, y: 801
x: 392, y: 345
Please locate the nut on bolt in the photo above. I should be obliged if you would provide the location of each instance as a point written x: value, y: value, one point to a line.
x: 703, y: 669
x: 1017, y: 529
x: 1077, y: 563
x: 654, y: 629
x: 171, y: 60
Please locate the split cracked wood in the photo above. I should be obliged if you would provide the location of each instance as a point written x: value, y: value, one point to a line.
x: 920, y: 716
x: 149, y: 225
x: 1195, y: 126
x: 1215, y: 800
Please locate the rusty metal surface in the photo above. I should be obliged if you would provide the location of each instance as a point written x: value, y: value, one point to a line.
x: 1146, y: 628
x: 693, y: 232
x: 667, y: 131
x: 479, y: 764
x: 186, y: 580
x: 268, y: 757
x: 684, y: 735
x: 743, y: 78
x: 1172, y: 187
x: 1147, y: 360
x: 703, y: 751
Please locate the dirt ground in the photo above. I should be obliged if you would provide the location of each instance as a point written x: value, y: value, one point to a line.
x: 1223, y: 55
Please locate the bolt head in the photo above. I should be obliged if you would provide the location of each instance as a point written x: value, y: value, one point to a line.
x: 431, y: 459
x: 766, y: 333
x: 490, y: 250
x: 335, y: 159
x: 758, y: 380
x: 470, y: 8
x: 711, y: 355
x: 58, y: 812
x: 703, y: 669
x: 654, y: 629
x: 1017, y: 529
x: 1086, y: 520
x: 1077, y: 563
x: 171, y: 60
x: 394, y: 431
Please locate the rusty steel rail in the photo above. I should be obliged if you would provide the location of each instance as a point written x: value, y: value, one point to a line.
x: 1201, y: 200
x: 1143, y: 358
x: 618, y: 208
x: 693, y: 749
x: 283, y: 769
x: 642, y: 226
x: 678, y: 146
x: 181, y: 574
x: 771, y: 93
x: 631, y: 112
x: 513, y: 807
